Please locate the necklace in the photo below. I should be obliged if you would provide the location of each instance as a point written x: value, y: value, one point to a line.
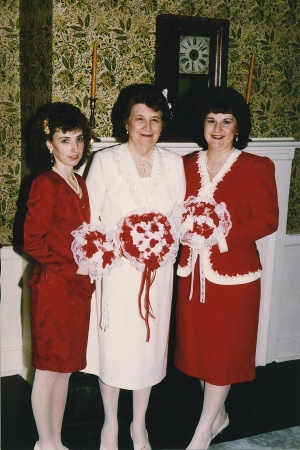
x: 78, y: 192
x: 222, y: 164
x: 143, y: 164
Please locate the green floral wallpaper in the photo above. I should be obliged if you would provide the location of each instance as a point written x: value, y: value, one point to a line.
x: 10, y: 126
x: 51, y: 59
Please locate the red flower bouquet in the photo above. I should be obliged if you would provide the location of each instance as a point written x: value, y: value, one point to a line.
x: 148, y: 241
x: 201, y: 223
x: 95, y: 249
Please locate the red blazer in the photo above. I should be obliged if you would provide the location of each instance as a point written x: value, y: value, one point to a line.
x: 54, y: 210
x: 248, y: 188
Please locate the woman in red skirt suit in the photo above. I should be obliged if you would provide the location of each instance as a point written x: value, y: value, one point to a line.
x: 218, y: 299
x: 60, y: 292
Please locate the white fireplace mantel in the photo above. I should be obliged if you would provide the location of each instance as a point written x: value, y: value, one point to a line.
x: 271, y: 248
x: 285, y: 144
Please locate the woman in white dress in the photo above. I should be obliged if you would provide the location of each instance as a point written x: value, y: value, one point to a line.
x: 123, y: 178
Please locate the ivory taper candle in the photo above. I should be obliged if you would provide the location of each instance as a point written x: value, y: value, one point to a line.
x: 94, y: 70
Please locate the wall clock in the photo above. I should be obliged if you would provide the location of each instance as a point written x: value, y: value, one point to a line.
x: 191, y: 54
x: 194, y: 54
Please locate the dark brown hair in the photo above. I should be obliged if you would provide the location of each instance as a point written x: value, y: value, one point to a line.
x: 147, y: 94
x: 224, y: 100
x: 48, y: 119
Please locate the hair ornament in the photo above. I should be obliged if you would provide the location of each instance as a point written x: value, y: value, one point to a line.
x: 46, y: 126
x: 165, y: 94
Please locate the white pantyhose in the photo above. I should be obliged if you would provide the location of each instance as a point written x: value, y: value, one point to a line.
x: 49, y: 395
x: 140, y: 405
x: 109, y: 433
x: 110, y: 398
x: 212, y: 416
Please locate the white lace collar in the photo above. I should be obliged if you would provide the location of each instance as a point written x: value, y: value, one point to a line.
x: 127, y: 170
x: 209, y: 186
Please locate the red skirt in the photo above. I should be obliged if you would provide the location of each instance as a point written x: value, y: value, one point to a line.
x: 59, y: 315
x: 216, y: 340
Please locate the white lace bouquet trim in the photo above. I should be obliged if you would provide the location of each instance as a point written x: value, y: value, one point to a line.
x: 95, y: 249
x: 201, y: 223
x: 147, y: 238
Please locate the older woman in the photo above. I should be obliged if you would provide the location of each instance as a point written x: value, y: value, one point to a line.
x: 136, y: 174
x: 216, y: 337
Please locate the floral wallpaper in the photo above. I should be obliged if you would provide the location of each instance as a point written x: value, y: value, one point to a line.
x: 51, y: 59
x: 10, y: 126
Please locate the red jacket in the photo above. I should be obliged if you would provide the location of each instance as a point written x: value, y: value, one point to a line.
x: 247, y: 185
x: 53, y: 212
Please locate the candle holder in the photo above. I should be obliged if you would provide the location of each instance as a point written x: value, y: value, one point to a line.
x: 92, y: 119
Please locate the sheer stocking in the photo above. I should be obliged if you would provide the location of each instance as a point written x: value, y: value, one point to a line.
x: 220, y: 419
x: 140, y: 405
x: 48, y: 404
x: 110, y: 398
x: 212, y: 416
x: 109, y: 433
x: 60, y: 392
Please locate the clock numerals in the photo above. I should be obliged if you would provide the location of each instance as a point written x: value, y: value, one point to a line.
x: 194, y: 55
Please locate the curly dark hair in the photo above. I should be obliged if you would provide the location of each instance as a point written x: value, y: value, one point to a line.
x: 224, y: 100
x: 147, y: 94
x: 47, y: 120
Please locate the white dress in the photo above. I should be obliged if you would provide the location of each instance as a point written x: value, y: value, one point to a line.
x: 120, y: 355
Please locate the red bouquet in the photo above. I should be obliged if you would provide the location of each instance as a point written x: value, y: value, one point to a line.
x: 95, y: 249
x: 201, y: 223
x: 148, y: 241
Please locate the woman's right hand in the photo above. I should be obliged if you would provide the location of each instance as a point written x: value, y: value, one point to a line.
x: 84, y: 271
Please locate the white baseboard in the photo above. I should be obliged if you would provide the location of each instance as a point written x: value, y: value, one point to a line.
x: 288, y: 348
x: 27, y: 371
x: 11, y: 361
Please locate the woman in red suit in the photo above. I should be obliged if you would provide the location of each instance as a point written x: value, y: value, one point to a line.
x: 60, y: 291
x: 218, y: 299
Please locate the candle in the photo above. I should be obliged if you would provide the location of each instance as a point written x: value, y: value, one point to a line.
x: 94, y: 70
x: 249, y: 85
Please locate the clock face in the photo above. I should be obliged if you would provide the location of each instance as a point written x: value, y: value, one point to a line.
x: 194, y: 55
